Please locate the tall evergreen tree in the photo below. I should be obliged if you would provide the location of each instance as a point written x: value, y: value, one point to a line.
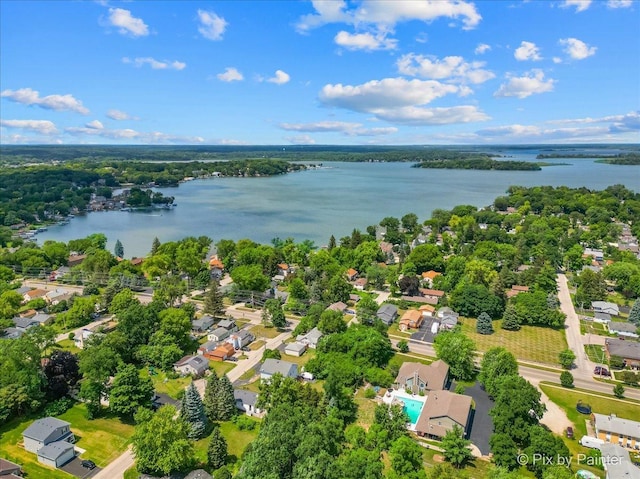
x: 226, y: 407
x: 155, y: 245
x: 217, y: 450
x: 332, y: 243
x: 118, y: 249
x: 211, y: 396
x: 634, y: 314
x: 510, y: 320
x: 484, y: 325
x: 192, y: 412
x: 213, y: 300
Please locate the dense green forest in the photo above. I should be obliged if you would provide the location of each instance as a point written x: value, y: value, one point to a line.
x: 478, y: 163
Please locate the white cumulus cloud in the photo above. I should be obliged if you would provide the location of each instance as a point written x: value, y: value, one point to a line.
x: 119, y: 115
x: 527, y: 51
x: 412, y: 115
x: 211, y: 25
x: 230, y: 74
x: 365, y: 41
x: 126, y: 23
x: 156, y: 64
x: 577, y: 49
x: 44, y: 127
x: 580, y: 5
x: 300, y: 140
x: 347, y: 128
x: 95, y: 129
x: 619, y: 3
x: 27, y: 96
x: 452, y: 67
x: 280, y: 78
x: 531, y: 83
x: 482, y: 48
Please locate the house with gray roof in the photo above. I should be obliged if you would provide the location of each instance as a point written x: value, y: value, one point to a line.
x: 207, y: 347
x: 23, y: 290
x: 617, y: 463
x: 600, y: 317
x: 228, y: 324
x: 45, y: 431
x: 56, y: 454
x: 311, y: 338
x: 10, y: 469
x: 192, y: 365
x: 12, y: 333
x: 616, y: 430
x: 605, y: 307
x: 623, y: 329
x: 272, y: 366
x: 387, y: 313
x: 627, y: 350
x: 246, y: 402
x: 24, y: 323
x: 218, y: 334
x: 202, y: 324
x: 295, y: 349
x: 241, y: 338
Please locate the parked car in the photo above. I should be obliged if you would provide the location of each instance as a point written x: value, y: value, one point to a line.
x: 601, y: 371
x: 569, y: 432
x: 88, y: 464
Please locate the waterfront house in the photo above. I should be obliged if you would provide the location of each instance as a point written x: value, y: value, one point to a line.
x: 191, y: 365
x: 216, y: 268
x: 202, y: 324
x: 411, y: 319
x: 419, y: 378
x: 387, y: 313
x: 442, y: 412
x: 271, y: 366
x: 295, y: 349
x: 627, y: 350
x: 615, y: 430
x: 311, y: 338
x: 628, y: 330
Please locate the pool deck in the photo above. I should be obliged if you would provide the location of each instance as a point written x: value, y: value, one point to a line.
x: 388, y: 398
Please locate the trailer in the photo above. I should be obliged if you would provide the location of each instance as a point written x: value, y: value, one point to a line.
x: 592, y: 442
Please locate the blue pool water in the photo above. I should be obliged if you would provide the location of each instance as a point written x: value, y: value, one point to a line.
x: 412, y: 407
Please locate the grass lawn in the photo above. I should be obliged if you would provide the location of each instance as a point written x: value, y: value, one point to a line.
x: 592, y: 327
x: 167, y: 386
x: 531, y: 343
x: 595, y: 352
x: 396, y: 361
x: 221, y: 367
x: 104, y: 438
x: 256, y: 345
x: 68, y: 345
x: 366, y: 408
x: 393, y: 330
x: 301, y: 360
x: 260, y: 331
x: 237, y: 442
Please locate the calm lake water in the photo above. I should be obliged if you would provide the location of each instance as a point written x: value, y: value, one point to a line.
x: 315, y: 204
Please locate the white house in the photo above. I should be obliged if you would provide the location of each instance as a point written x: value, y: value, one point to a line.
x: 45, y: 431
x: 311, y: 338
x: 605, y: 307
x: 295, y: 349
x: 628, y: 330
x: 241, y: 339
x: 218, y: 334
x: 246, y: 402
x: 56, y: 454
x: 194, y: 365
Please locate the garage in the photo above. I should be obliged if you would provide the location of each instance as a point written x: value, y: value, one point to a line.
x: 55, y: 454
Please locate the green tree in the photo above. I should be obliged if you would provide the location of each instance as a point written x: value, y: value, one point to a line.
x: 458, y: 351
x: 566, y: 358
x: 406, y: 458
x: 510, y: 320
x: 176, y: 323
x: 504, y: 450
x: 472, y: 299
x: 129, y: 391
x: 543, y: 443
x: 496, y: 362
x: 217, y: 450
x: 566, y: 379
x: 403, y: 346
x: 298, y: 289
x: 250, y: 277
x: 213, y: 300
x: 226, y: 404
x: 10, y: 302
x: 426, y: 257
x: 122, y: 301
x: 210, y: 400
x: 618, y: 391
x: 591, y: 287
x: 160, y: 442
x: 484, y: 324
x: 338, y: 290
x: 192, y: 412
x: 169, y: 289
x: 118, y: 249
x: 331, y: 322
x: 456, y: 447
x: 155, y: 245
x: 634, y: 314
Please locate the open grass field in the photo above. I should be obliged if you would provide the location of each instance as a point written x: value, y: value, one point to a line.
x: 301, y: 360
x: 67, y: 345
x: 595, y: 353
x: 531, y: 343
x: 260, y: 331
x: 237, y: 441
x: 366, y: 408
x: 221, y: 367
x: 164, y: 385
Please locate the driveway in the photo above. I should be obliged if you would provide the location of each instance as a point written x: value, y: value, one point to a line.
x: 74, y: 467
x: 481, y: 423
x: 424, y: 332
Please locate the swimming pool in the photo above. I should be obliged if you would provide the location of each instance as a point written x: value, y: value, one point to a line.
x: 412, y: 407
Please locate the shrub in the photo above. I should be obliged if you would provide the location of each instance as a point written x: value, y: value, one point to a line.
x: 56, y: 408
x: 566, y: 379
x: 403, y: 346
x: 244, y: 422
x: 460, y: 389
x: 369, y: 393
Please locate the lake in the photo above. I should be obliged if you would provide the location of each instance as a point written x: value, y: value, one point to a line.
x: 315, y: 204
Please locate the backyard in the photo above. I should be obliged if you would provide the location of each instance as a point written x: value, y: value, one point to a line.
x: 530, y: 343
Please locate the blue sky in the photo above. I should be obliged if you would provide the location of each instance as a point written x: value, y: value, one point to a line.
x: 320, y: 72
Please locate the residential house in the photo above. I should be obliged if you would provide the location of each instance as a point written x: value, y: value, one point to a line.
x: 12, y: 333
x: 600, y: 317
x: 223, y: 352
x: 339, y: 306
x: 246, y: 402
x: 615, y: 430
x: 22, y: 290
x: 628, y: 330
x: 295, y: 349
x: 34, y: 294
x: 272, y: 366
x: 605, y: 307
x: 354, y: 297
x: 228, y: 324
x: 387, y: 313
x: 216, y: 268
x: 432, y: 293
x: 517, y: 289
x: 218, y: 334
x: 443, y: 411
x: 352, y: 274
x: 80, y: 339
x: 56, y: 454
x: 628, y: 350
x: 411, y: 319
x: 241, y: 338
x: 419, y: 378
x: 283, y: 269
x: 448, y: 318
x: 9, y: 469
x: 191, y: 365
x: 29, y: 313
x: 429, y: 276
x: 596, y: 254
x: 24, y: 323
x: 617, y: 463
x: 137, y: 261
x: 360, y: 284
x: 311, y: 338
x: 59, y: 273
x: 427, y: 310
x: 202, y: 324
x: 75, y: 259
x: 56, y: 296
x: 45, y: 431
x: 207, y: 347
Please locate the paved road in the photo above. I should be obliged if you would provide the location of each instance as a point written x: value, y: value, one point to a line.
x: 144, y: 298
x: 116, y: 468
x: 77, y: 332
x: 584, y: 367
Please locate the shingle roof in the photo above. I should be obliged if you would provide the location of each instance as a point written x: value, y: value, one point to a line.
x: 274, y: 366
x: 295, y: 347
x: 443, y: 404
x: 623, y: 327
x: 387, y: 313
x: 617, y: 463
x: 41, y: 429
x: 616, y: 424
x: 622, y: 348
x: 54, y: 450
x: 246, y: 397
x: 6, y: 466
x: 432, y: 375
